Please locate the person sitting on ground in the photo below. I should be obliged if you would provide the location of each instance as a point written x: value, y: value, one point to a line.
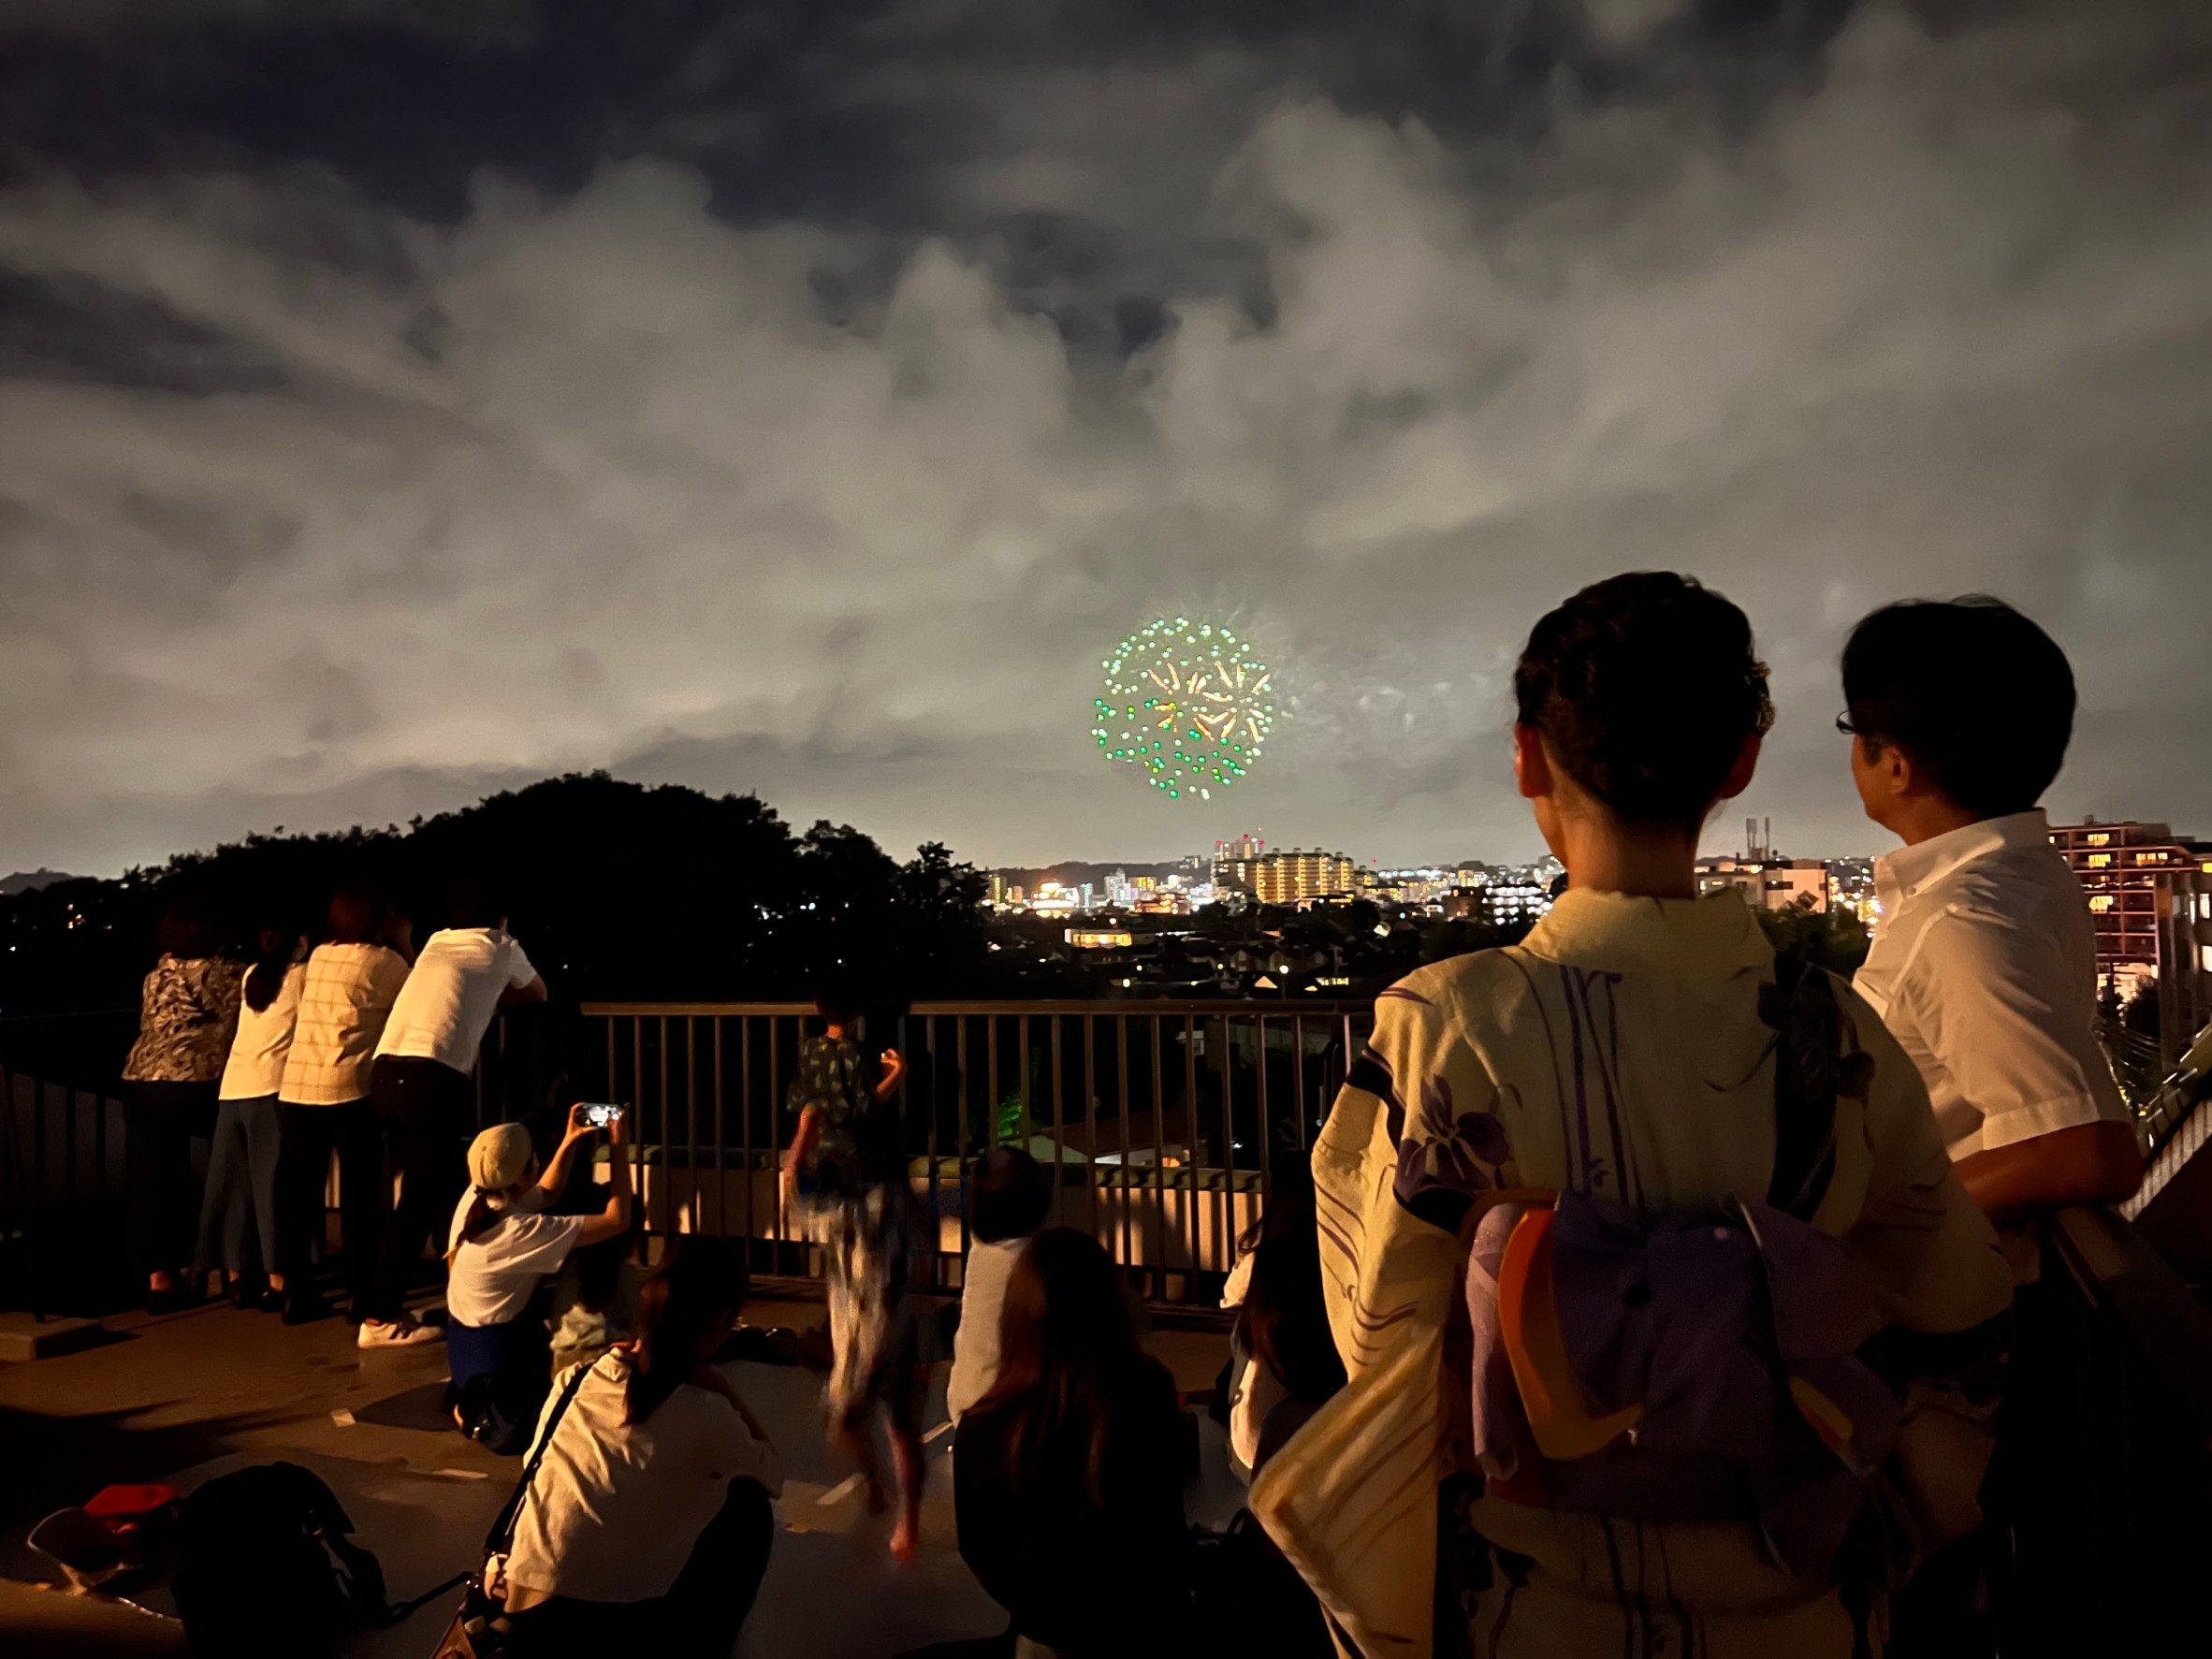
x: 648, y: 1527
x: 1282, y: 1354
x: 846, y: 1175
x: 187, y: 1012
x: 240, y: 1208
x: 595, y: 1300
x: 1984, y: 966
x: 1012, y: 1197
x: 1067, y: 1477
x: 353, y: 979
x: 422, y: 1088
x: 1638, y: 1118
x: 503, y: 1246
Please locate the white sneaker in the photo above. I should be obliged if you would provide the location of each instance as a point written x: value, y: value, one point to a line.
x: 400, y: 1334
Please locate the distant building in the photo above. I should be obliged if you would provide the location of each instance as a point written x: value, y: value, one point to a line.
x: 1767, y: 881
x: 2151, y: 902
x: 1102, y: 938
x: 1289, y: 877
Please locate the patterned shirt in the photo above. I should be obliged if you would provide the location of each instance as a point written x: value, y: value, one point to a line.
x: 1621, y: 1052
x: 343, y: 1006
x: 855, y: 1147
x: 187, y: 1011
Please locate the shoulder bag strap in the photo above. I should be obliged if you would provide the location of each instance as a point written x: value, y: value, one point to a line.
x: 503, y: 1530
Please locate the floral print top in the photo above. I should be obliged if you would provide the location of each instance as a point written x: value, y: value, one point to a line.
x: 187, y: 1012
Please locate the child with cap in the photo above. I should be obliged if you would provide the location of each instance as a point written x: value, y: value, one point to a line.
x: 503, y: 1246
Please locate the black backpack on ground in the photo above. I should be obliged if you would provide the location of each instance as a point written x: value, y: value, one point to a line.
x: 266, y: 1564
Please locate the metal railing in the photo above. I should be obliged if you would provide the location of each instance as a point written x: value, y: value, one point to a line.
x: 2114, y: 1450
x: 1162, y: 1120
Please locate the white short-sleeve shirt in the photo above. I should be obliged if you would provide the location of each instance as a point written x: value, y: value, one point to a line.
x: 495, y: 1273
x: 616, y: 1506
x: 448, y: 1001
x: 1985, y: 968
x: 983, y: 1278
x: 263, y: 1042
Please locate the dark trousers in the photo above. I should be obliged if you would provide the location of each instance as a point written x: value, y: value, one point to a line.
x: 424, y: 1110
x: 310, y: 1134
x: 238, y: 1212
x: 700, y: 1616
x: 160, y: 1122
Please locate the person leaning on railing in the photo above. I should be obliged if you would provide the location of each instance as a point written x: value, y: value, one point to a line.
x: 1984, y: 966
x: 188, y: 1010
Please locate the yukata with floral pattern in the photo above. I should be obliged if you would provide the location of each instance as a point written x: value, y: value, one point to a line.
x: 853, y: 1207
x: 1624, y: 1052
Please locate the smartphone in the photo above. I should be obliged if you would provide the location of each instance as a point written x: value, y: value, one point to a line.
x: 598, y: 1114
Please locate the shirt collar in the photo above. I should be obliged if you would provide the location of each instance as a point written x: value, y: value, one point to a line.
x: 1912, y: 870
x: 1626, y: 933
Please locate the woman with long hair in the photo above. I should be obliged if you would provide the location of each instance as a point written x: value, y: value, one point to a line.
x: 238, y: 1209
x: 1067, y: 1477
x: 188, y: 1006
x: 648, y: 1527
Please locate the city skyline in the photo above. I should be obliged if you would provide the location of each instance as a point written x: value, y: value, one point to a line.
x: 409, y: 402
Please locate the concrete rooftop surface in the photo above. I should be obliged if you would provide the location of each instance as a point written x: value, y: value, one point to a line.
x: 187, y: 1396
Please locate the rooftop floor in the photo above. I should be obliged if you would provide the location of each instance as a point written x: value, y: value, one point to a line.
x: 191, y: 1396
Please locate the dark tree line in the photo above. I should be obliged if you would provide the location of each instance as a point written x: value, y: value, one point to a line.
x: 618, y: 890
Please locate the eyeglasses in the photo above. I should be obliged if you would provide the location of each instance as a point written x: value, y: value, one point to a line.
x: 1843, y: 724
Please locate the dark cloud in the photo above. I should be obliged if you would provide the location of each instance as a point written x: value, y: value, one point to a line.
x: 410, y: 399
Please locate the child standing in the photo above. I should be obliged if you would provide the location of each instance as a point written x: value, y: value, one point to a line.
x: 845, y: 1174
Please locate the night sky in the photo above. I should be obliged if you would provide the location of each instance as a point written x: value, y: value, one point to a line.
x: 401, y: 400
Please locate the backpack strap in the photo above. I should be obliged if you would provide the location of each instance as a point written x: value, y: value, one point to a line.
x: 502, y: 1535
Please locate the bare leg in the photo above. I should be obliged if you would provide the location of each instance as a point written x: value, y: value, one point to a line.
x: 907, y: 1469
x: 856, y: 1442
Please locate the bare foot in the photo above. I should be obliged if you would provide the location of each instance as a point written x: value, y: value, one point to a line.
x: 906, y: 1540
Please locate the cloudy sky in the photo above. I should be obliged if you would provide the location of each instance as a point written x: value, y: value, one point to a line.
x: 402, y: 399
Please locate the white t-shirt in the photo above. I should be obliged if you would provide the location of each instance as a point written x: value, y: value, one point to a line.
x: 344, y: 1004
x: 448, y: 1000
x: 975, y: 1344
x: 495, y: 1273
x: 1985, y: 969
x: 616, y: 1507
x: 264, y: 1039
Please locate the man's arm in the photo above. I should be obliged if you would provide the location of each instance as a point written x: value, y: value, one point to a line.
x: 533, y: 992
x: 1991, y: 999
x: 2091, y: 1163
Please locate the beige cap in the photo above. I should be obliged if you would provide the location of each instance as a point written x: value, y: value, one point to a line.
x: 500, y: 1156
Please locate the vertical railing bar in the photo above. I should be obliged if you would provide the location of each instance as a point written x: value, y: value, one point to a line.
x: 1159, y: 1157
x: 667, y: 1129
x: 1192, y: 1144
x: 745, y: 1128
x: 691, y: 1119
x: 1121, y: 1072
x: 1029, y: 1117
x: 936, y: 1200
x: 1059, y: 1143
x: 960, y: 1126
x: 776, y: 1146
x: 1267, y: 1178
x: 1229, y: 1135
x: 638, y: 1142
x: 1298, y: 1074
x: 1090, y: 1118
x: 721, y: 1184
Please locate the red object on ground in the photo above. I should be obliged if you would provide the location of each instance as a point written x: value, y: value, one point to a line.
x: 119, y: 1508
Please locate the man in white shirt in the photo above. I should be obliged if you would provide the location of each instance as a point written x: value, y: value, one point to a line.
x: 425, y: 1100
x: 1984, y: 966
